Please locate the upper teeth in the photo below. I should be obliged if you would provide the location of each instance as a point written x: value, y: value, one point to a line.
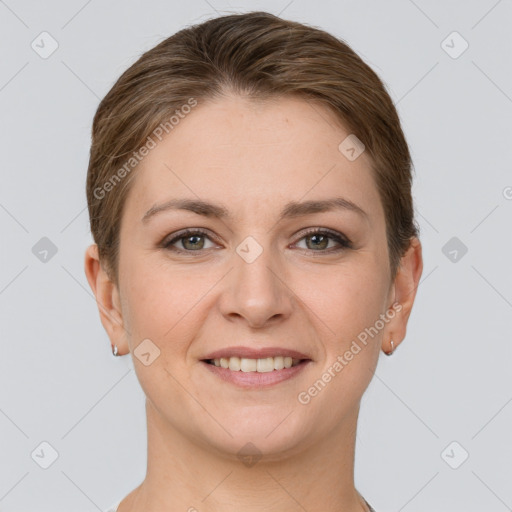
x: 266, y: 364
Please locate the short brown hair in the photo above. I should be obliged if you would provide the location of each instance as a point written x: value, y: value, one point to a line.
x: 259, y: 55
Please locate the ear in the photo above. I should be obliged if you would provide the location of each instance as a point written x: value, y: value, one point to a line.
x: 403, y: 292
x: 107, y: 299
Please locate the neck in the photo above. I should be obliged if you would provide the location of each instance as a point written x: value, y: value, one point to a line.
x: 183, y: 476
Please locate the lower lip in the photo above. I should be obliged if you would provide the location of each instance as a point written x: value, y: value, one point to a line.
x: 256, y: 379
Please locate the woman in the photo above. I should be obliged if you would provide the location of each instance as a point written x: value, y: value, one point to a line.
x: 249, y: 193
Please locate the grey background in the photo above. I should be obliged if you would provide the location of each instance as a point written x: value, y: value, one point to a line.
x: 449, y: 381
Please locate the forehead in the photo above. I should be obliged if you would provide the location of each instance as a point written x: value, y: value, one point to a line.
x: 246, y: 153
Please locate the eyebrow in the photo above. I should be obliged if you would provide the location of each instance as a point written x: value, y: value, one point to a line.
x: 291, y: 210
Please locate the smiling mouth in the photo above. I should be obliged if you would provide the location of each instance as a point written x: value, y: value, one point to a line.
x: 263, y: 365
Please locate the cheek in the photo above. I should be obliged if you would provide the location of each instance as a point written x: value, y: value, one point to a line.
x: 161, y: 301
x: 159, y: 305
x: 353, y: 297
x: 347, y: 298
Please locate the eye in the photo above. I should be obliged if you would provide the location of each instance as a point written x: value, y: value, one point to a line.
x: 190, y: 240
x: 319, y: 240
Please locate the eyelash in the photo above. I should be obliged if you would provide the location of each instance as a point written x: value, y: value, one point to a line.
x: 344, y: 242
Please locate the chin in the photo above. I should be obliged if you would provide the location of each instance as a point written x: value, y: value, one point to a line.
x: 260, y: 431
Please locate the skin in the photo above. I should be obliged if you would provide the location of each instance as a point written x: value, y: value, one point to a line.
x: 252, y: 158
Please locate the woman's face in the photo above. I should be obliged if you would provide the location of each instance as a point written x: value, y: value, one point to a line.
x: 256, y: 278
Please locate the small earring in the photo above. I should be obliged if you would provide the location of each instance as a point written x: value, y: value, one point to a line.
x: 114, y: 350
x: 392, y: 349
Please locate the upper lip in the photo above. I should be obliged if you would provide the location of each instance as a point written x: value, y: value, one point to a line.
x: 255, y: 353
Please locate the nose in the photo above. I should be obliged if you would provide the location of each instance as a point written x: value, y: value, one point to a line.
x: 256, y: 291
